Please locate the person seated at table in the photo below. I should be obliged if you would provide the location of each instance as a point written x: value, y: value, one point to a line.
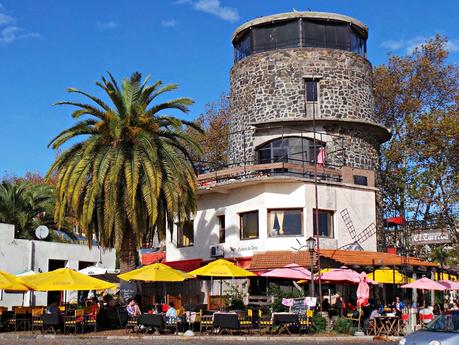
x: 337, y: 306
x: 133, y: 308
x: 171, y: 314
x: 92, y: 308
x: 53, y: 308
x: 398, y: 306
x: 374, y: 313
x: 326, y: 305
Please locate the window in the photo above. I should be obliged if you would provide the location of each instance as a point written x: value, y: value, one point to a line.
x: 285, y: 222
x: 325, y: 223
x: 290, y: 149
x: 249, y: 225
x: 185, y: 234
x: 312, y: 97
x: 360, y: 180
x: 276, y: 36
x: 311, y: 90
x: 221, y: 229
x: 299, y: 33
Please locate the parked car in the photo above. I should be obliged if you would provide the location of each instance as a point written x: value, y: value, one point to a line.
x: 443, y: 330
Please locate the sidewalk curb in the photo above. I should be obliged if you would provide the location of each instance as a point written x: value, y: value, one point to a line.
x: 200, y: 337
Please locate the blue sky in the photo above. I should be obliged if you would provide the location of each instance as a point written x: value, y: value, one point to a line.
x: 47, y: 46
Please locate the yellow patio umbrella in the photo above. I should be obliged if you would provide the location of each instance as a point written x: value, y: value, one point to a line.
x: 64, y: 279
x: 222, y: 268
x: 388, y: 275
x: 9, y: 282
x: 156, y: 273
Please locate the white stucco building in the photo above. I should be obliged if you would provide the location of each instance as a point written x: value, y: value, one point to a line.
x: 17, y: 255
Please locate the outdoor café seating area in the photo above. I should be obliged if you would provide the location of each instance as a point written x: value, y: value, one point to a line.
x: 362, y: 305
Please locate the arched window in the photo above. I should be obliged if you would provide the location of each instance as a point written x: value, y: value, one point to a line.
x: 292, y: 150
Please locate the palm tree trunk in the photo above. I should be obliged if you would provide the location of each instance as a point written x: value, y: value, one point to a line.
x: 128, y: 250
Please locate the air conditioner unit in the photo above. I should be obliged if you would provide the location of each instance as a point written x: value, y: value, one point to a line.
x: 216, y: 252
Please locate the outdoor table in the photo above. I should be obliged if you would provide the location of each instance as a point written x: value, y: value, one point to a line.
x: 228, y: 322
x: 153, y: 321
x: 284, y: 320
x: 388, y: 325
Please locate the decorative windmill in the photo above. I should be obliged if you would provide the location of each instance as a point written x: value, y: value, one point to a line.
x: 359, y: 238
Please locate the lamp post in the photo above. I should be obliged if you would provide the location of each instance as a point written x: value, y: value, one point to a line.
x: 311, y: 243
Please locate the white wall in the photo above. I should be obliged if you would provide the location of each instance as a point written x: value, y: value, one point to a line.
x: 19, y: 255
x: 284, y: 193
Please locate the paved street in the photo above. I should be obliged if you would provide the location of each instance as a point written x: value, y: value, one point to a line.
x: 75, y: 340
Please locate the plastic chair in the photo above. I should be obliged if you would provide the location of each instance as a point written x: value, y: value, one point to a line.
x: 75, y: 321
x: 37, y: 321
x: 265, y: 322
x: 247, y: 321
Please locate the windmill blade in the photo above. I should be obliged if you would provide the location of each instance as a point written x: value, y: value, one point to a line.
x: 348, y: 222
x: 368, y: 232
x: 355, y: 246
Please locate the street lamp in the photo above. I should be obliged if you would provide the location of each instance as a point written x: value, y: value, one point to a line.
x: 311, y: 243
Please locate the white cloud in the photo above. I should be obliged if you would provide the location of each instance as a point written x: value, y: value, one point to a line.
x: 409, y: 45
x: 169, y: 23
x: 213, y: 7
x: 110, y: 25
x: 392, y: 44
x: 6, y: 19
x: 452, y: 46
x: 9, y: 32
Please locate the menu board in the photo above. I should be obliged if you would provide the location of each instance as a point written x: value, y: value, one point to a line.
x: 128, y: 290
x: 301, y: 305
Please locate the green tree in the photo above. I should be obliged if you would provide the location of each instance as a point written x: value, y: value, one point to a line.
x: 131, y: 172
x: 25, y: 205
x: 416, y: 97
x: 213, y: 138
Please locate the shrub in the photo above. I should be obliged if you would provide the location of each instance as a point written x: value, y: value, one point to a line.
x: 319, y: 324
x: 344, y: 326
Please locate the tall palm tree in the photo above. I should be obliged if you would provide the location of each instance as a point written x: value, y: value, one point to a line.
x: 25, y: 205
x: 131, y: 172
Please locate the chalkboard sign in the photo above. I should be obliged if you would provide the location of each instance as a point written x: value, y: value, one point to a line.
x: 128, y: 290
x: 298, y: 306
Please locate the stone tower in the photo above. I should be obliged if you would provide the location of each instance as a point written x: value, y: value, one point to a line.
x: 300, y: 73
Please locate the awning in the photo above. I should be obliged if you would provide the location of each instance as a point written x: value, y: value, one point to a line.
x: 389, y: 276
x: 185, y: 265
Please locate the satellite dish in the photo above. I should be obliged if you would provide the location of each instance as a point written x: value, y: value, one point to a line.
x: 42, y: 232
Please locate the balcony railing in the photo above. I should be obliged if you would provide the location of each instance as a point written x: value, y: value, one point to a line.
x: 251, y: 170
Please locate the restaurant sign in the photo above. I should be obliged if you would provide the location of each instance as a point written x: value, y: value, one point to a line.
x: 431, y: 237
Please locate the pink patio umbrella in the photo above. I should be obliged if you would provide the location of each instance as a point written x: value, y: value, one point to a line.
x: 425, y: 284
x: 363, y: 291
x: 290, y: 271
x: 363, y: 294
x: 344, y: 275
x: 450, y: 285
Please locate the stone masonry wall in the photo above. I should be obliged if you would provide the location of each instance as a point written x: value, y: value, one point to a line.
x: 270, y: 87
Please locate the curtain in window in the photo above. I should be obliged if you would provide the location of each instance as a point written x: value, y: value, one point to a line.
x: 276, y: 223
